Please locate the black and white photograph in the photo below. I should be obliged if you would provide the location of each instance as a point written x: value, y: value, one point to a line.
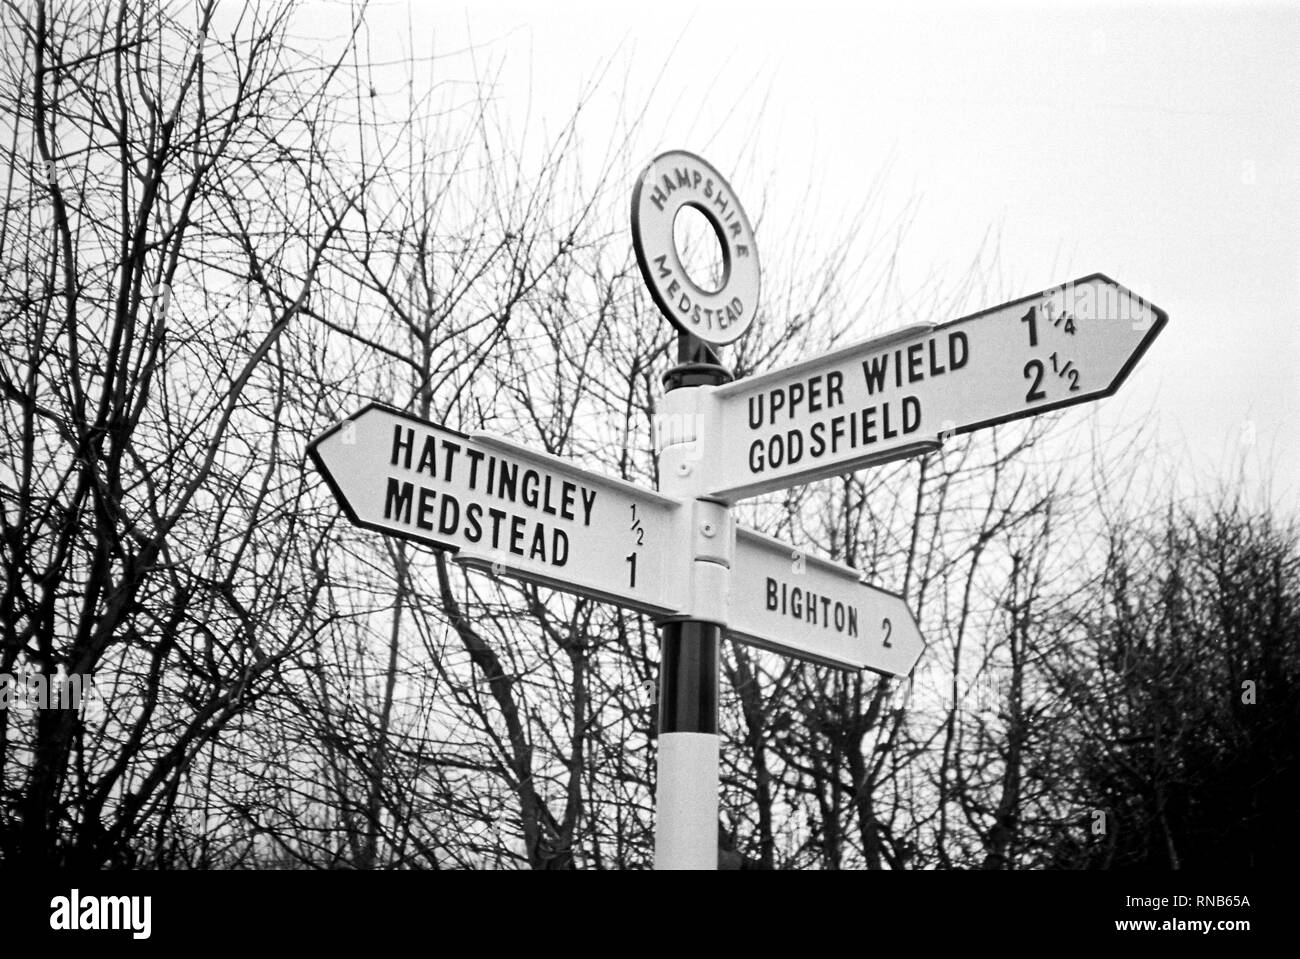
x: 686, y: 436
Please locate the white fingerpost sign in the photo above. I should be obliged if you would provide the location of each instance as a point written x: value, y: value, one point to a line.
x: 502, y: 506
x: 676, y: 554
x: 812, y: 608
x: 899, y: 394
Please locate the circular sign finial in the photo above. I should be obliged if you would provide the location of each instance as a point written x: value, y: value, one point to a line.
x: 674, y: 180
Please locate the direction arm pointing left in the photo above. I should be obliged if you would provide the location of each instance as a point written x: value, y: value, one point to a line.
x: 500, y: 505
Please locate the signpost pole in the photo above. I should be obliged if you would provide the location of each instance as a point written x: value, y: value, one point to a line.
x: 686, y: 792
x: 686, y: 795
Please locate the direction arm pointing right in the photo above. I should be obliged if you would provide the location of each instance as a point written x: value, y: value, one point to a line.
x: 900, y: 394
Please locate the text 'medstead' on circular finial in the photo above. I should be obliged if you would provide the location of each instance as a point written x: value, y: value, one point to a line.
x: 678, y: 179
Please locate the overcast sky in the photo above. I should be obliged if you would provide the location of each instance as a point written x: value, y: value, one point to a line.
x: 1157, y: 143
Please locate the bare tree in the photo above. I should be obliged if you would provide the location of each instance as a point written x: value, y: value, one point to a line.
x: 167, y: 211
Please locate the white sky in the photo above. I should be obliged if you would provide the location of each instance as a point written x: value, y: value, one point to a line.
x: 1157, y: 143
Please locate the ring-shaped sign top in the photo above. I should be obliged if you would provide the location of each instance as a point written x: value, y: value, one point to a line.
x: 678, y: 179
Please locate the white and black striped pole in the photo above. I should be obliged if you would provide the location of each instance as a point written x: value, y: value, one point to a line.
x: 686, y: 797
x: 686, y: 794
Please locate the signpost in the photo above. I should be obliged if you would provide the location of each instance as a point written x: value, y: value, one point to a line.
x: 676, y: 553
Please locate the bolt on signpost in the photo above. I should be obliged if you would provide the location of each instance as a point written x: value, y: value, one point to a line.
x: 675, y: 554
